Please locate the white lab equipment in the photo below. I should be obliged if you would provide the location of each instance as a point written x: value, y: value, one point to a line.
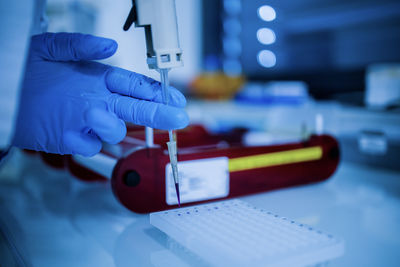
x: 383, y: 86
x: 234, y: 233
x: 158, y: 17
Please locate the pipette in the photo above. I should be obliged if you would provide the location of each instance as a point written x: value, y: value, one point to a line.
x: 172, y: 148
x: 158, y: 17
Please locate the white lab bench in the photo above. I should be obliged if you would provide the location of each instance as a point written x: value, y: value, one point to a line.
x: 56, y: 220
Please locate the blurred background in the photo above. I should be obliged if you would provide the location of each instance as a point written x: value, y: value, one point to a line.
x: 329, y: 45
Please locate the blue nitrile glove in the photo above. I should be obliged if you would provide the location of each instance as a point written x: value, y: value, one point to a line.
x: 69, y: 104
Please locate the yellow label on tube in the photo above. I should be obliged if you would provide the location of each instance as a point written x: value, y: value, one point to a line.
x: 275, y: 159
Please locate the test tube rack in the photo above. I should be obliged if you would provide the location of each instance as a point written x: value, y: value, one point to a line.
x: 138, y: 173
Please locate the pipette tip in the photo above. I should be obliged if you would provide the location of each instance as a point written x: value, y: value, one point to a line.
x: 178, y: 194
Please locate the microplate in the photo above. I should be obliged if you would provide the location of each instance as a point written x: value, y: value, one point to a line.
x: 235, y: 233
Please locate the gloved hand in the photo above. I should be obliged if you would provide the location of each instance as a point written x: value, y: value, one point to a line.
x: 69, y: 104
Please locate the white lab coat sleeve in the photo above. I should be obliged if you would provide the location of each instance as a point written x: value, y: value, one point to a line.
x: 19, y: 19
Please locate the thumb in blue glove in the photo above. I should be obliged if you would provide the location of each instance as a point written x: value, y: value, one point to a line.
x: 70, y: 105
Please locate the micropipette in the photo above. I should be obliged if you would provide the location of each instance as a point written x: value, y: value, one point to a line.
x: 172, y: 148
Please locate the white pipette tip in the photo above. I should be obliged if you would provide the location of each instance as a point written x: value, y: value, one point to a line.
x: 174, y: 164
x: 172, y: 150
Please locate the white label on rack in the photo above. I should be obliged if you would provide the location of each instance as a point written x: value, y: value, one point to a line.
x: 199, y: 180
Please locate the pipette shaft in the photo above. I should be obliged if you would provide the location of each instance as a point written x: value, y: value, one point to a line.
x: 172, y: 149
